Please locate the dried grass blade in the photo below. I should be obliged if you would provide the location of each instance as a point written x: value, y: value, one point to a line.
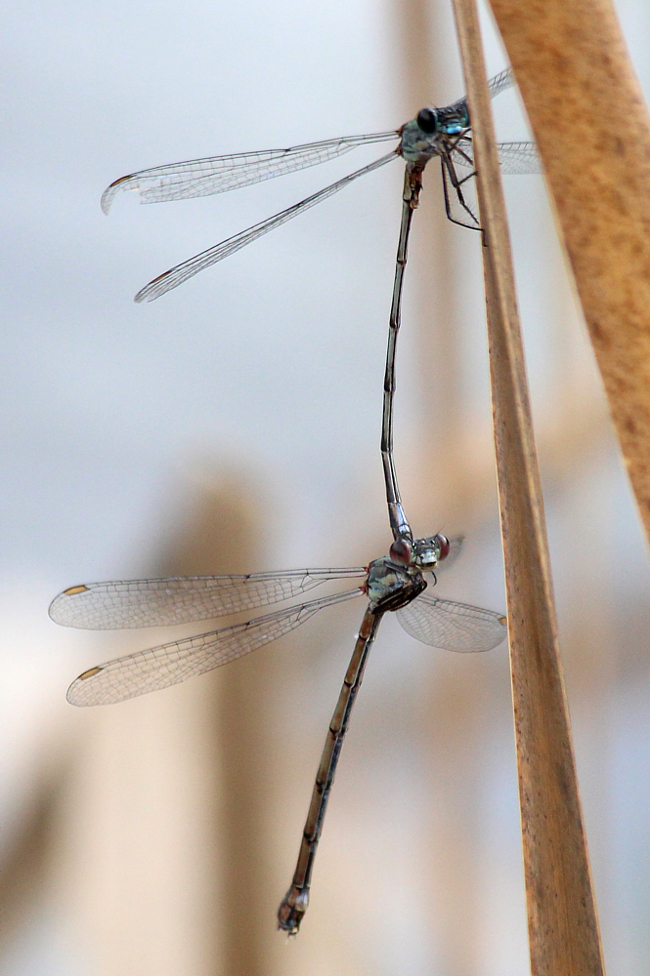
x: 563, y: 928
x: 592, y: 129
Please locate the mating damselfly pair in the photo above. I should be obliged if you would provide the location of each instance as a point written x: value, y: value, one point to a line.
x: 395, y: 582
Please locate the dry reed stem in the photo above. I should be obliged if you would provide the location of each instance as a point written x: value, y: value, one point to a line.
x: 562, y: 923
x: 593, y: 132
x: 243, y: 908
x: 27, y: 862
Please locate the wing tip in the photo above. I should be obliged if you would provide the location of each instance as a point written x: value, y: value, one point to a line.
x: 74, y: 694
x: 110, y: 192
x: 57, y: 608
x: 154, y: 289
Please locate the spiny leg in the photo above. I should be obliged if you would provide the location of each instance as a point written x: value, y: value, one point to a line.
x: 449, y: 172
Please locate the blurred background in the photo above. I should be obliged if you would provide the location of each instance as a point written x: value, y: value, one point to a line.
x: 233, y: 426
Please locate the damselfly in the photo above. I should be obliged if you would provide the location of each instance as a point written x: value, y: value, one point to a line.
x: 395, y: 582
x: 444, y: 133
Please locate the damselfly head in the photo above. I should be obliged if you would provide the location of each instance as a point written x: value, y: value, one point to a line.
x: 427, y: 553
x: 449, y: 121
x: 428, y: 134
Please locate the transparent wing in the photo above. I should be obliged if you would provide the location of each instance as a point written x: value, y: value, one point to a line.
x: 180, y: 599
x: 216, y: 174
x: 168, y: 664
x: 452, y: 626
x: 519, y: 158
x: 497, y: 84
x: 516, y: 158
x: 177, y: 275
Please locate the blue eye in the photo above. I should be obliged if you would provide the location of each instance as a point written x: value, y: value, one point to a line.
x: 427, y: 119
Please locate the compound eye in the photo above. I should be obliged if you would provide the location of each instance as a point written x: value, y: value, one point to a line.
x: 427, y: 119
x: 444, y: 545
x: 400, y: 552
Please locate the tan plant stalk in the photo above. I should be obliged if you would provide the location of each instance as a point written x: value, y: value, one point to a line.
x: 562, y: 923
x: 592, y: 129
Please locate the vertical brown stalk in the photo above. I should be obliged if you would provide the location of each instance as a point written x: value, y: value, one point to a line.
x: 563, y: 928
x: 592, y: 129
x: 224, y: 536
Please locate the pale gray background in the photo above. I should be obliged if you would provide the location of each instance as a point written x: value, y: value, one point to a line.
x: 269, y: 364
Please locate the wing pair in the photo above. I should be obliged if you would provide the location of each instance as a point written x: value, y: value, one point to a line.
x: 217, y: 174
x: 147, y: 603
